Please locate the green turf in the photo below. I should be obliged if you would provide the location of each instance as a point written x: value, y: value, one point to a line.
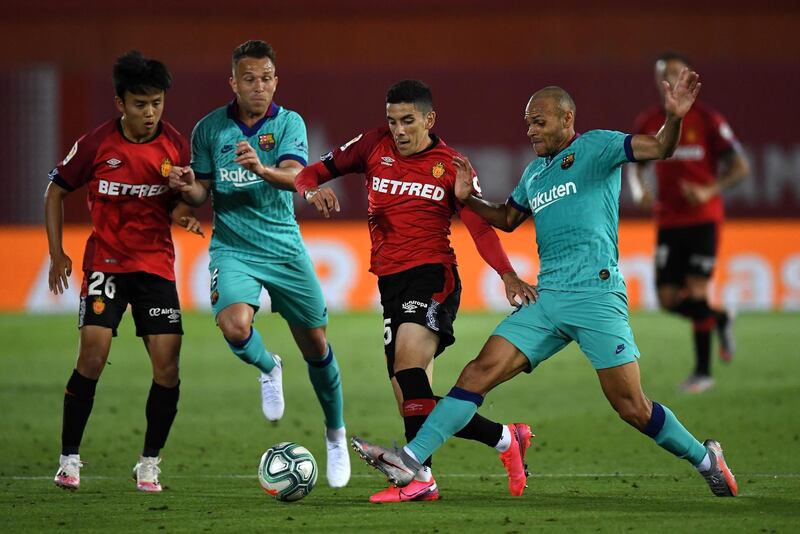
x: 592, y: 472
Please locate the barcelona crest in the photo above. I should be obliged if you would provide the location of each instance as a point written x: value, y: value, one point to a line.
x: 568, y: 160
x: 266, y: 142
x: 438, y: 170
x: 166, y: 166
x: 98, y: 306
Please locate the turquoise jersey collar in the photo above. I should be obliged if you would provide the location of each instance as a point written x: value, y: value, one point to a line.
x: 250, y: 131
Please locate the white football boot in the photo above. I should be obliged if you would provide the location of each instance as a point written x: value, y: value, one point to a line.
x: 68, y: 475
x: 272, y: 391
x: 338, y: 461
x: 145, y: 472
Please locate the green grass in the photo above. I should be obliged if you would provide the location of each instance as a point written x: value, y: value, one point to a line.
x: 592, y: 472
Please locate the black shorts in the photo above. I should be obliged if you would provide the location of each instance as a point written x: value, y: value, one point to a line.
x: 427, y: 295
x: 154, y: 302
x: 685, y: 250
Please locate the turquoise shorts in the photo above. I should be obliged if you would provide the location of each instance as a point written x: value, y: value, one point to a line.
x: 598, y: 321
x: 293, y: 288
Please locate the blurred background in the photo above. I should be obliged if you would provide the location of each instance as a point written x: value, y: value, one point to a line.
x: 482, y: 61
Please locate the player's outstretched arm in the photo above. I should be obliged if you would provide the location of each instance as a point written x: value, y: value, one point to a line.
x: 308, y: 181
x: 678, y: 100
x: 183, y: 215
x: 60, y: 263
x: 501, y: 216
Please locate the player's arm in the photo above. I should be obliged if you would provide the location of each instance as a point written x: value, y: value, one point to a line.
x: 308, y: 182
x: 193, y: 191
x: 734, y: 169
x: 678, y: 101
x: 60, y: 263
x: 504, y: 217
x: 183, y: 215
x: 641, y: 193
x: 281, y: 176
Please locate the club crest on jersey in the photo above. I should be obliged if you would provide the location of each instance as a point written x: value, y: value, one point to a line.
x: 166, y: 166
x: 98, y: 306
x: 568, y: 160
x: 266, y: 142
x: 690, y: 136
x: 438, y: 170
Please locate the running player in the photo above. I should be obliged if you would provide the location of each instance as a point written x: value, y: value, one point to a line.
x: 129, y: 256
x: 572, y: 193
x: 689, y: 213
x: 246, y: 155
x: 409, y: 178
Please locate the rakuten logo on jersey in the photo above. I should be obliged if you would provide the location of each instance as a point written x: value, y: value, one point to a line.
x: 116, y: 189
x: 546, y: 198
x: 240, y: 177
x: 414, y: 189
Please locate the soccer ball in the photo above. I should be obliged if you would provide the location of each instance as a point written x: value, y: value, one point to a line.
x: 287, y: 471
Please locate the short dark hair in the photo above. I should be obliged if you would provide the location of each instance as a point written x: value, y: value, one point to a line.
x: 253, y: 48
x: 139, y: 75
x: 674, y: 56
x: 411, y: 92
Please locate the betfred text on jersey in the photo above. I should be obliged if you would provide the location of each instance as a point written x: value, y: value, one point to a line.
x: 414, y: 189
x: 240, y: 177
x: 556, y: 193
x: 115, y: 189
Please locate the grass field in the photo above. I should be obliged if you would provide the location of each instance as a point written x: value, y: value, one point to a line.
x: 591, y: 471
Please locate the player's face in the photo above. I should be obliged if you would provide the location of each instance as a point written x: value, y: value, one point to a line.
x: 668, y: 71
x: 410, y: 127
x: 140, y: 113
x: 549, y: 127
x: 254, y: 83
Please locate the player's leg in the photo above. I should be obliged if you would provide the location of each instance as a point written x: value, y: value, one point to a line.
x: 235, y: 292
x: 622, y: 387
x: 103, y: 301
x: 157, y: 314
x: 296, y: 294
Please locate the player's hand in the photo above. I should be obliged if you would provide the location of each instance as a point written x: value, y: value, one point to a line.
x: 678, y: 100
x: 247, y: 157
x: 324, y: 199
x: 181, y: 178
x: 646, y: 200
x: 60, y: 270
x: 192, y: 225
x: 519, y: 292
x: 698, y: 193
x: 464, y: 186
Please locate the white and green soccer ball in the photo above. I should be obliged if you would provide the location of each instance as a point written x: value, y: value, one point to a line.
x: 287, y: 471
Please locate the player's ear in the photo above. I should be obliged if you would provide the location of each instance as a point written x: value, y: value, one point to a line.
x: 232, y: 82
x: 568, y: 118
x: 430, y: 120
x: 119, y: 104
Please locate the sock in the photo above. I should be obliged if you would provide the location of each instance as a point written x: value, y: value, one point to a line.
x: 702, y: 345
x: 78, y: 402
x: 162, y: 405
x: 324, y: 376
x: 483, y: 430
x: 418, y: 400
x: 505, y: 440
x: 252, y: 351
x: 424, y: 474
x: 671, y: 435
x: 335, y: 434
x: 451, y: 414
x: 705, y: 464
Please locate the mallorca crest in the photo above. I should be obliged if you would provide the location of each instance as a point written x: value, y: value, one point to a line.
x: 438, y: 170
x: 166, y: 166
x: 266, y: 142
x: 567, y: 161
x: 98, y: 306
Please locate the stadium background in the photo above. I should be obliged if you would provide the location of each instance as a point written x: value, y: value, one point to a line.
x: 482, y: 61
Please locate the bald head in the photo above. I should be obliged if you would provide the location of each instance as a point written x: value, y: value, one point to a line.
x: 550, y: 116
x: 557, y: 96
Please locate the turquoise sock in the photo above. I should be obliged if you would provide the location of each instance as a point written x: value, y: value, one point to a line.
x: 252, y: 351
x: 670, y: 434
x: 324, y: 375
x: 450, y: 415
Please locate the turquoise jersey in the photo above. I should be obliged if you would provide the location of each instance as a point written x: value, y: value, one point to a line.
x: 252, y: 219
x: 574, y: 200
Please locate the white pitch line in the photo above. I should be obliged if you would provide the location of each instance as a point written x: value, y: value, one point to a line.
x: 439, y: 475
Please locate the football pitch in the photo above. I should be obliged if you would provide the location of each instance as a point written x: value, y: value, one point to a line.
x: 591, y: 472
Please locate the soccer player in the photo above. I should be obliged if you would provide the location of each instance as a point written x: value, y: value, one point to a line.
x: 129, y: 256
x: 409, y: 178
x: 572, y: 192
x: 246, y: 155
x: 689, y: 212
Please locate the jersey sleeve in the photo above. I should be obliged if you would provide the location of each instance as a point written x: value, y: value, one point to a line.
x: 518, y: 199
x: 352, y: 156
x: 613, y: 148
x: 721, y: 136
x: 294, y: 144
x: 202, y: 155
x: 76, y: 168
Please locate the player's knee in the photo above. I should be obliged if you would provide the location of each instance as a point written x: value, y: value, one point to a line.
x: 234, y: 330
x: 476, y: 376
x: 635, y: 414
x: 167, y: 374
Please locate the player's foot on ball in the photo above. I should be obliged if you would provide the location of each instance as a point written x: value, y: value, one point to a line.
x: 145, y: 473
x: 338, y: 461
x: 395, y: 463
x: 415, y: 491
x: 68, y: 475
x: 719, y: 477
x: 272, y: 391
x: 696, y: 384
x: 727, y: 343
x: 514, y: 458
